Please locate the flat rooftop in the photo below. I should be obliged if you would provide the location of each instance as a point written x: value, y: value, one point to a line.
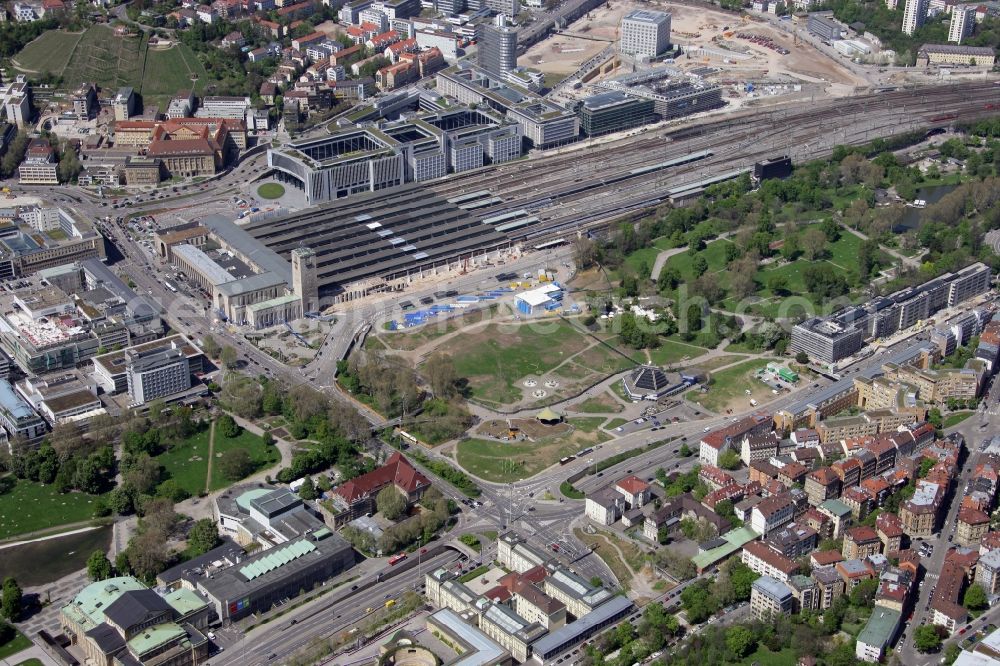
x: 377, y: 235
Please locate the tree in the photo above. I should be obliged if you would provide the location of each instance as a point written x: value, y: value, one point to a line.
x: 926, y: 639
x: 741, y: 276
x: 802, y: 358
x: 229, y: 357
x: 69, y: 164
x: 210, y: 346
x: 707, y: 286
x: 390, y: 503
x: 951, y: 653
x: 440, y: 372
x: 236, y: 464
x: 141, y: 473
x: 99, y: 566
x: 203, y: 537
x: 975, y: 597
x: 729, y: 460
x: 740, y: 641
x: 699, y: 265
x: 864, y: 593
x: 10, y: 607
x: 227, y: 425
x: 813, y: 243
x: 147, y: 554
x: 684, y: 451
x: 14, y: 154
x: 699, y: 602
x: 308, y: 489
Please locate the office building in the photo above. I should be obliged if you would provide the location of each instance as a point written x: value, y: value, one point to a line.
x: 124, y: 103
x: 582, y: 629
x: 356, y: 160
x: 515, y: 554
x: 644, y: 33
x: 914, y: 15
x: 40, y: 166
x: 542, y: 122
x: 497, y: 46
x: 843, y: 334
x: 112, y: 370
x: 824, y: 26
x: 509, y: 8
x: 17, y: 417
x: 84, y: 100
x: 156, y: 374
x: 673, y: 95
x: 614, y: 111
x: 473, y: 645
x: 577, y: 594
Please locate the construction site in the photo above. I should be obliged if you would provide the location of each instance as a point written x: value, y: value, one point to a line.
x: 753, y: 58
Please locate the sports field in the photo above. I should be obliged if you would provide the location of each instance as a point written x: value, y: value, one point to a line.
x: 48, y: 53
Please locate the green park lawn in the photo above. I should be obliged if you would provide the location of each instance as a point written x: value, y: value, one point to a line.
x: 17, y: 644
x: 187, y: 462
x: 263, y: 455
x: 714, y: 253
x: 30, y: 507
x: 646, y: 256
x: 671, y: 352
x: 271, y: 191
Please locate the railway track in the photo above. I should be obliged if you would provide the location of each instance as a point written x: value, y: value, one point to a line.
x: 592, y: 207
x: 511, y: 180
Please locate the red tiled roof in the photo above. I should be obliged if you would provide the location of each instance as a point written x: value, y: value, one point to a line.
x: 771, y: 557
x: 862, y: 534
x: 889, y: 524
x: 718, y: 438
x: 972, y: 516
x: 822, y: 558
x: 824, y: 476
x: 633, y: 485
x: 397, y: 470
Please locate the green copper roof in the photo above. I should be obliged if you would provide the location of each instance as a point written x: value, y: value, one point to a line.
x: 151, y: 638
x: 88, y: 607
x: 185, y: 601
x: 250, y: 495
